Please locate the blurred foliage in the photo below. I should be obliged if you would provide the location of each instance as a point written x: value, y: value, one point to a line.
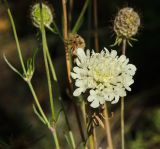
x: 147, y: 137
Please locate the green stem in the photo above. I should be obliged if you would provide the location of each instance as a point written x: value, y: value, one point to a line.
x: 76, y: 26
x: 72, y: 140
x: 91, y: 141
x: 56, y: 80
x: 107, y: 127
x: 43, y: 115
x: 37, y: 103
x: 48, y: 73
x: 56, y: 139
x: 57, y: 29
x: 16, y: 39
x: 122, y: 103
x: 45, y: 49
x: 79, y: 121
x: 122, y: 122
x: 65, y: 115
x: 51, y: 66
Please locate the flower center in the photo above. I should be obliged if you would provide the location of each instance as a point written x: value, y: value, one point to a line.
x: 101, y: 77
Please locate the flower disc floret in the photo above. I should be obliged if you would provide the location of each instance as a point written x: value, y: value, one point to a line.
x: 105, y: 75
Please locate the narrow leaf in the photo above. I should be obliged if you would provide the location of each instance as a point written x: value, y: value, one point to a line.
x: 12, y: 67
x: 39, y: 116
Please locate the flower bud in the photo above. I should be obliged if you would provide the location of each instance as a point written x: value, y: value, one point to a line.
x: 46, y: 13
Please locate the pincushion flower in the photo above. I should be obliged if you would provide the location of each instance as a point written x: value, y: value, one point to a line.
x: 105, y: 75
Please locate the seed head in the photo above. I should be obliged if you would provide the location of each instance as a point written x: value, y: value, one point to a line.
x: 46, y: 13
x: 75, y: 41
x: 126, y: 23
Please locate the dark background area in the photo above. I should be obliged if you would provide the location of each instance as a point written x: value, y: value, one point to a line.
x: 20, y: 128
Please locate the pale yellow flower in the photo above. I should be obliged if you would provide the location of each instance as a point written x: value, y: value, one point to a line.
x: 104, y: 74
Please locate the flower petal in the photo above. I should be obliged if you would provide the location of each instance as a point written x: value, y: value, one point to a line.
x: 77, y: 92
x: 80, y: 54
x: 116, y: 99
x: 95, y: 104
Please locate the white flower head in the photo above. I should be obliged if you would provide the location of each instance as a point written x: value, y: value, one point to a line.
x: 105, y: 75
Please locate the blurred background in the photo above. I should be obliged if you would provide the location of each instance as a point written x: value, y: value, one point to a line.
x: 19, y: 126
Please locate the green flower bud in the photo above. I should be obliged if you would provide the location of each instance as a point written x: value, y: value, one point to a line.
x: 46, y: 13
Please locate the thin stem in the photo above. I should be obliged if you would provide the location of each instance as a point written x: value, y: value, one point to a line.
x: 96, y: 42
x: 122, y: 103
x: 83, y: 108
x: 122, y: 122
x: 16, y: 39
x: 51, y: 66
x: 65, y: 35
x: 107, y: 128
x: 94, y: 138
x: 48, y: 79
x: 77, y: 24
x: 57, y: 29
x: 56, y: 139
x: 24, y: 69
x: 72, y: 140
x: 91, y: 142
x: 89, y: 25
x: 59, y: 96
x: 124, y: 47
x: 79, y: 122
x: 69, y: 66
x: 37, y: 103
x: 70, y: 13
x: 54, y: 133
x: 45, y: 49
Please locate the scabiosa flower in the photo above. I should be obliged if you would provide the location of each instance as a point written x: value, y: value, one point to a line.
x: 36, y: 15
x: 105, y: 75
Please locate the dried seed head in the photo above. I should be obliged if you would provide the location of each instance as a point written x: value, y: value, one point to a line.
x: 46, y: 13
x: 126, y: 23
x: 75, y: 41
